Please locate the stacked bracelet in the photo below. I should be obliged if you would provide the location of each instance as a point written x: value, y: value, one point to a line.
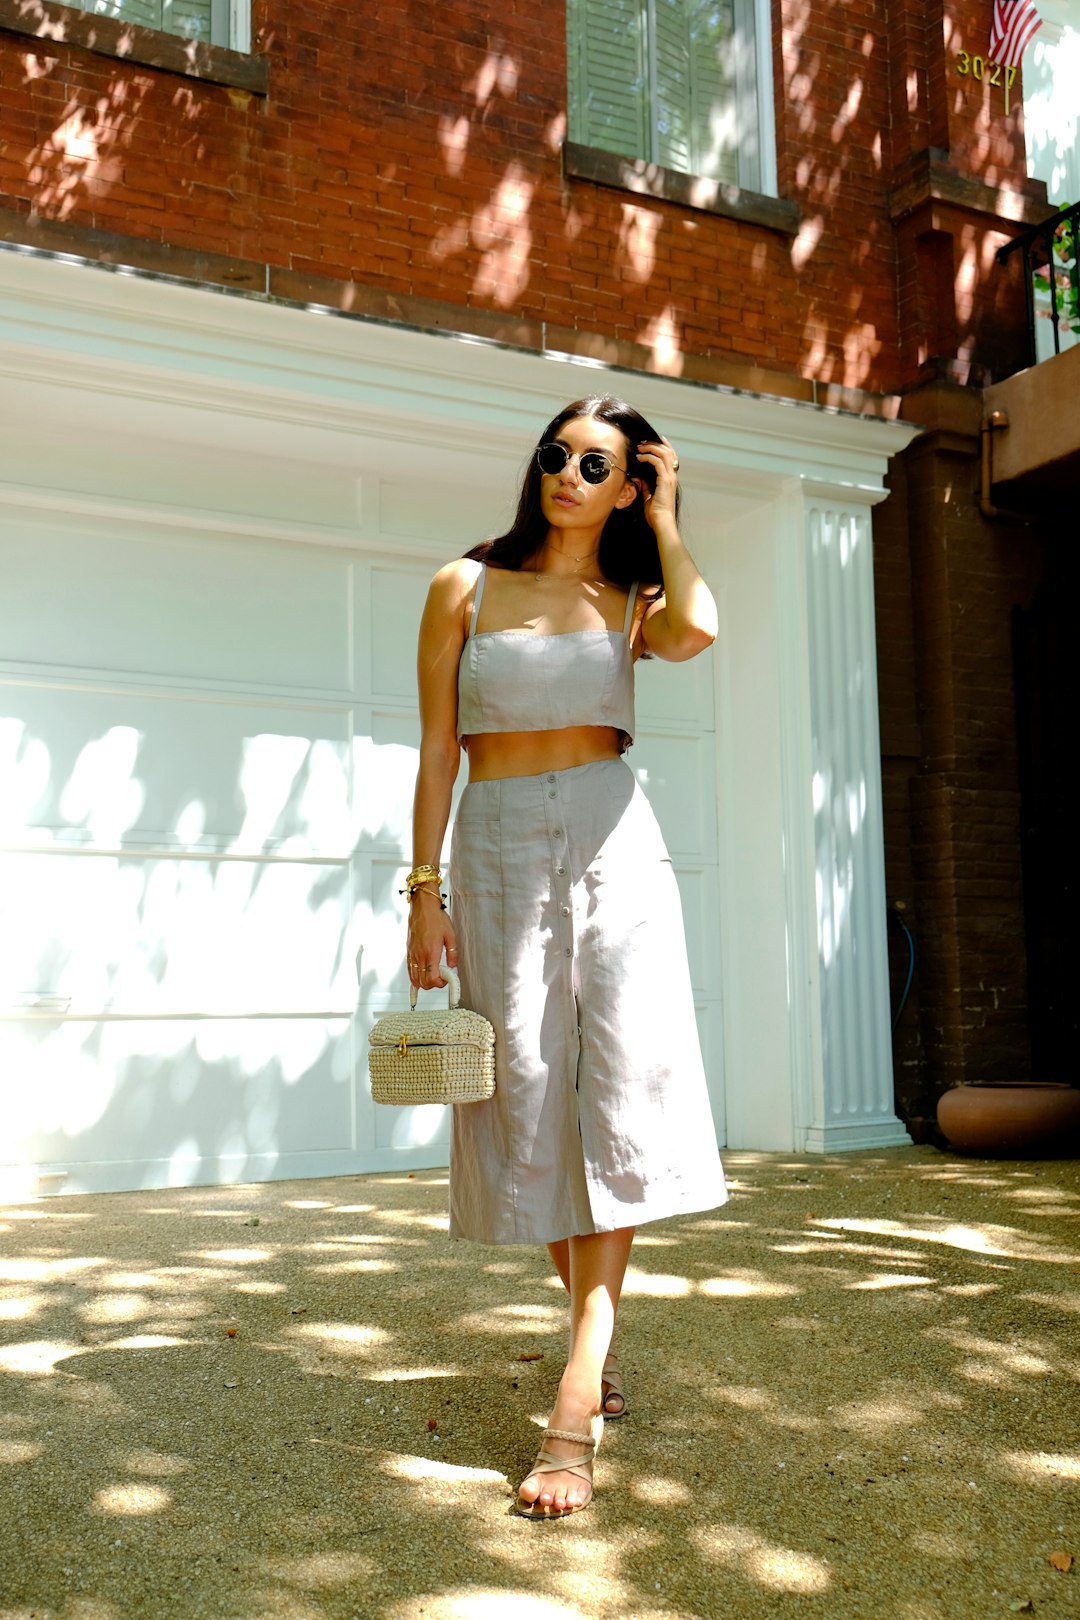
x: 421, y: 879
x: 421, y: 875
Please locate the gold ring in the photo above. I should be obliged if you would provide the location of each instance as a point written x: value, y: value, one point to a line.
x: 676, y: 468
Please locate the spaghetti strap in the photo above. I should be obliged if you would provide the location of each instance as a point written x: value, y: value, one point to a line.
x: 630, y: 600
x: 478, y: 595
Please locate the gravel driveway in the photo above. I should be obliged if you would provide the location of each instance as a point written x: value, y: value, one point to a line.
x: 853, y: 1392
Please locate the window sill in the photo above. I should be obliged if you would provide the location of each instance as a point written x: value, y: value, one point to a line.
x: 54, y: 24
x: 687, y: 190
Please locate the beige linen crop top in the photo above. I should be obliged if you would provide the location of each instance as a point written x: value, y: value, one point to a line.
x: 517, y: 680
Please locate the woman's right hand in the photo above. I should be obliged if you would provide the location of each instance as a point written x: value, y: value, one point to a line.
x: 431, y: 933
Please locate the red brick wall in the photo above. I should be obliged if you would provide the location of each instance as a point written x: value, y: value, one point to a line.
x: 947, y: 580
x: 417, y: 150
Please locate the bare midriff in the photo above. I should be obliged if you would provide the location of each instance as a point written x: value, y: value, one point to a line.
x: 495, y: 754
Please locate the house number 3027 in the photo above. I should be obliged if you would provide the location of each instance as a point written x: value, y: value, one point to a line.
x: 979, y: 68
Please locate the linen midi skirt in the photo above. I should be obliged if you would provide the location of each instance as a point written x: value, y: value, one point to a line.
x: 570, y: 940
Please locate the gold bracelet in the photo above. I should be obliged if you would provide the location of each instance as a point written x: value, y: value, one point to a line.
x: 426, y: 873
x: 419, y: 881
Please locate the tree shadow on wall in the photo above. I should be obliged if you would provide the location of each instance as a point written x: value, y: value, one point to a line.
x: 391, y: 204
x: 179, y: 930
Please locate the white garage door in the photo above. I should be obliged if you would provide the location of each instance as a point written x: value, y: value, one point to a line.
x: 217, y: 517
x: 177, y: 759
x: 207, y: 754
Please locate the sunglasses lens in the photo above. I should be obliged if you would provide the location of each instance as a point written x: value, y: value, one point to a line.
x: 594, y: 467
x: 551, y: 458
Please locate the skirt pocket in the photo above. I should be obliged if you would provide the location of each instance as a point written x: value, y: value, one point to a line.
x: 476, y: 857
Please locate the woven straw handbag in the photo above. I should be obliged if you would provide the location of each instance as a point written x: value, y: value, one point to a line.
x: 446, y: 1056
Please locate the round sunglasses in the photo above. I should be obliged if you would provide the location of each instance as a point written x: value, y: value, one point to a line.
x: 593, y: 465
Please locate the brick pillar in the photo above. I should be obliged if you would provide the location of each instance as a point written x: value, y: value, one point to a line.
x: 957, y: 191
x: 955, y: 843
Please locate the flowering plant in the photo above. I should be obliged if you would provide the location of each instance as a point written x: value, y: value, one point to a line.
x: 1062, y: 265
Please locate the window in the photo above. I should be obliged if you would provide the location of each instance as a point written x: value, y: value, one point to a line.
x: 673, y: 82
x: 211, y: 22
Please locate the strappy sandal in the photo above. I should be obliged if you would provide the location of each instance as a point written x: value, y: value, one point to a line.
x: 612, y: 1387
x: 547, y: 1463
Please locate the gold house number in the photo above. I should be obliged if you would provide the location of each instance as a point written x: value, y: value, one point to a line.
x: 979, y: 68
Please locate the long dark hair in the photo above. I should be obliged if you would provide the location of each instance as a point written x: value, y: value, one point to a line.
x: 628, y: 548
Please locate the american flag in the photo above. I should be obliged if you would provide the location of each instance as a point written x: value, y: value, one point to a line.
x: 1016, y: 22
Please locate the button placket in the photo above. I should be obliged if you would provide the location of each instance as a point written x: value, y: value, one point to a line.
x: 560, y: 867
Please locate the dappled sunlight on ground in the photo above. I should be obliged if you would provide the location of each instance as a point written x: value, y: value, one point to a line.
x: 850, y: 1388
x: 1039, y: 1466
x: 776, y: 1567
x: 122, y: 1500
x: 983, y: 1239
x: 470, y: 1604
x: 342, y: 1338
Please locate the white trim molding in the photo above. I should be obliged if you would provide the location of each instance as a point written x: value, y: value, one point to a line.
x: 850, y: 1100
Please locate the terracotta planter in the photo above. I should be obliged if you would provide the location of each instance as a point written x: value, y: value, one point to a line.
x: 1012, y: 1121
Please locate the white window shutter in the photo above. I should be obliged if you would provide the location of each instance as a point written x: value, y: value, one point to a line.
x: 190, y: 19
x: 694, y: 87
x: 607, y: 78
x: 144, y: 13
x: 714, y: 143
x: 672, y: 84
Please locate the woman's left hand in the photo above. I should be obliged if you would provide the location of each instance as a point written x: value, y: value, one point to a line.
x: 663, y: 458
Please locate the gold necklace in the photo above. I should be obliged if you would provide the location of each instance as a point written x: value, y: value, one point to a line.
x: 538, y: 575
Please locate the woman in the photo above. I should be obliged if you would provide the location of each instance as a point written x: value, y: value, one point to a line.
x: 565, y: 909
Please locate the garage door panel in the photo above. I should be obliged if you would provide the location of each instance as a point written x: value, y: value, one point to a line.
x: 193, y: 1096
x: 384, y: 980
x: 113, y: 766
x: 177, y: 605
x: 137, y: 935
x: 710, y: 1034
x: 698, y: 892
x: 674, y: 694
x: 403, y: 1128
x: 677, y: 773
x: 458, y: 515
x: 385, y: 755
x: 396, y: 605
x: 209, y: 479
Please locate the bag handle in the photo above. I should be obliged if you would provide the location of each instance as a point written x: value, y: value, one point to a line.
x: 453, y: 988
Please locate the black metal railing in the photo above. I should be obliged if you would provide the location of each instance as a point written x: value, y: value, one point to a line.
x: 1051, y: 260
